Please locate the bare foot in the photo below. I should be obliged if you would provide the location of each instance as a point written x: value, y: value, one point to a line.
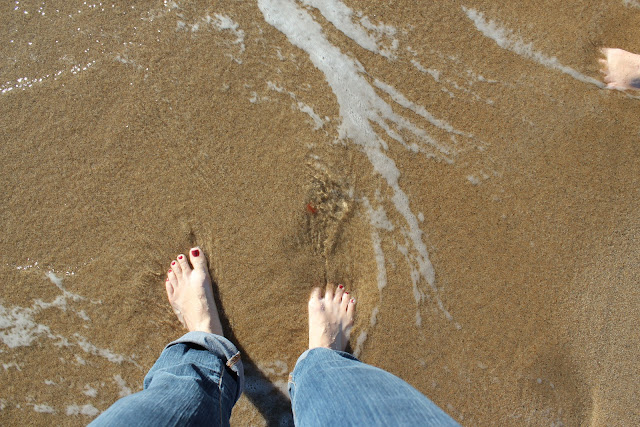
x: 190, y: 294
x: 621, y: 69
x: 330, y: 318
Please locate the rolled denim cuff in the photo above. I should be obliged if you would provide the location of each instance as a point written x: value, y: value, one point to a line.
x: 219, y: 346
x: 341, y: 353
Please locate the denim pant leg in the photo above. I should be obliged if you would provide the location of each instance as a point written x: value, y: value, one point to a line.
x: 329, y: 388
x: 196, y: 381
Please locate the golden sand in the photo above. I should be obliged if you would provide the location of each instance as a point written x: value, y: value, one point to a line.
x: 172, y: 137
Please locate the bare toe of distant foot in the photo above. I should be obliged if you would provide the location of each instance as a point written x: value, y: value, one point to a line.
x: 189, y: 290
x: 621, y: 69
x: 330, y: 317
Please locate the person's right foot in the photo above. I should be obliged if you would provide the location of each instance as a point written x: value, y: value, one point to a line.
x: 330, y: 318
x: 621, y: 69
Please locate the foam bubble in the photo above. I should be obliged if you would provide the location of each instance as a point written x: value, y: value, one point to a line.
x: 359, y: 343
x: 88, y: 410
x: 46, y: 409
x: 89, y: 391
x: 124, y: 390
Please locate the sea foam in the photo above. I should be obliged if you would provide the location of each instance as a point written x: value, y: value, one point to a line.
x: 360, y: 108
x: 506, y: 40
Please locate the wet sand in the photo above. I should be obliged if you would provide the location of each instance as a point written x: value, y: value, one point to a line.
x: 521, y: 178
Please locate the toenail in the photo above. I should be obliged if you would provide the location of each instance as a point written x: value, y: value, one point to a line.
x: 340, y: 287
x: 346, y: 293
x: 169, y: 271
x: 180, y: 257
x: 173, y: 263
x: 352, y: 300
x: 195, y: 252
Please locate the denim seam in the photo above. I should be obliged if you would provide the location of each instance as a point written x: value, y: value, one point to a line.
x: 292, y: 385
x: 220, y: 395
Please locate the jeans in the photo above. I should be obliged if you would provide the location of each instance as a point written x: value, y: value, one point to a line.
x: 198, y: 378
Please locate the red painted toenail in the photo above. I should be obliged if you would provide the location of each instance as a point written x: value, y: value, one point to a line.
x: 173, y: 263
x: 340, y: 287
x: 346, y: 293
x: 169, y: 271
x: 195, y: 252
x: 353, y: 300
x: 180, y: 257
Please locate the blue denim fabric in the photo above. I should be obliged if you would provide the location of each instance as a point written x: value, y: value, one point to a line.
x: 196, y: 381
x: 198, y: 378
x: 330, y: 388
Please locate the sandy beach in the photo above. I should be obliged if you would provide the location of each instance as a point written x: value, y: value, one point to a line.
x: 459, y: 165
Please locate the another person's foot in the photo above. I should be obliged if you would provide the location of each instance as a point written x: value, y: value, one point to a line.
x: 330, y: 318
x: 190, y: 294
x: 621, y: 69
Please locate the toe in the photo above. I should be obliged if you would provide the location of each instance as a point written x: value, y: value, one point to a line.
x: 171, y: 277
x: 316, y: 295
x: 169, y: 285
x: 197, y: 258
x: 351, y: 309
x: 328, y: 294
x: 175, y: 267
x: 338, y: 294
x: 184, y: 264
x: 345, y: 301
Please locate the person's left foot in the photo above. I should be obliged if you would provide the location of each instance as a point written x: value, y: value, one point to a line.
x: 330, y: 318
x: 190, y: 294
x: 621, y: 69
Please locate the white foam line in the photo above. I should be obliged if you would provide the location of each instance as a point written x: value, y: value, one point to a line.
x: 506, y: 40
x: 61, y: 300
x: 223, y: 22
x: 317, y: 120
x: 418, y: 109
x: 432, y: 72
x: 631, y: 3
x: 378, y: 220
x: 102, y: 352
x: 340, y: 15
x: 360, y: 106
x: 19, y: 329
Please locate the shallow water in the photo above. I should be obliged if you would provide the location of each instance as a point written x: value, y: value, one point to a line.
x: 459, y: 166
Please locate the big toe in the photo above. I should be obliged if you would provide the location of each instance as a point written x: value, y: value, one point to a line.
x: 197, y: 258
